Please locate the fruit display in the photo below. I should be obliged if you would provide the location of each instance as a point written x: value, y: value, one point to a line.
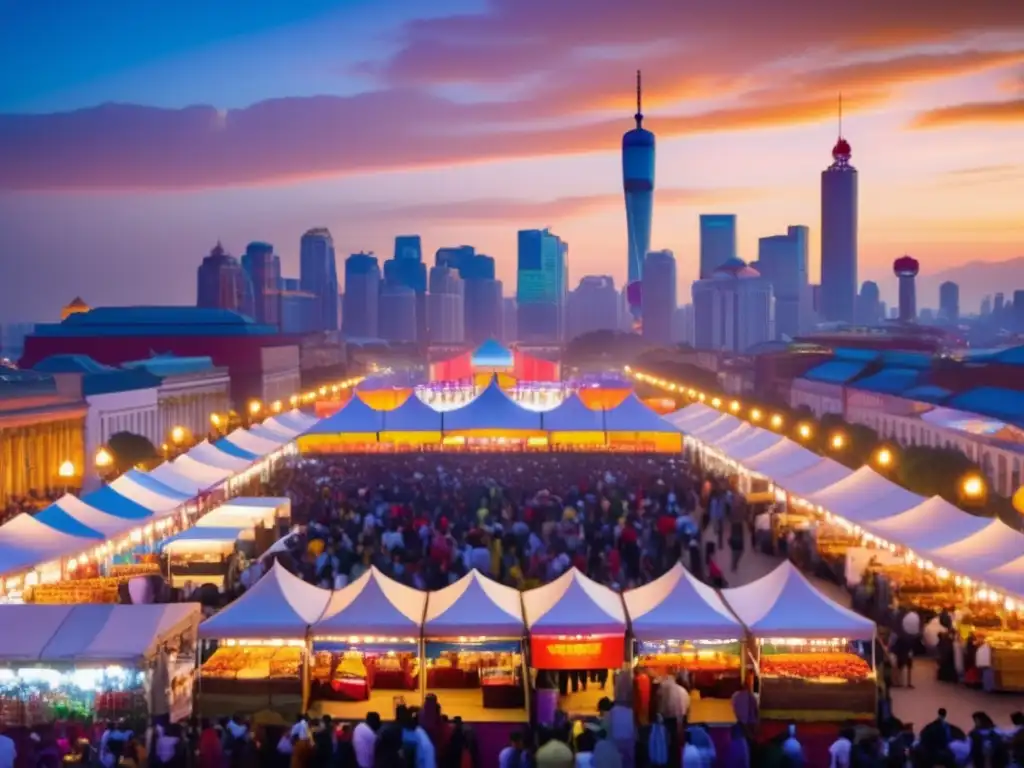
x: 692, y: 661
x: 824, y: 666
x: 827, y: 681
x: 253, y: 663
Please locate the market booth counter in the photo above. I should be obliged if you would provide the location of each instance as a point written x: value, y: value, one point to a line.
x: 577, y: 635
x: 814, y: 658
x: 96, y: 662
x: 366, y: 648
x: 680, y: 624
x: 473, y: 644
x: 254, y: 650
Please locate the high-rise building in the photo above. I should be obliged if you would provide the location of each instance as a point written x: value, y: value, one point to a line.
x: 593, y: 306
x: 509, y: 320
x: 906, y: 268
x: 541, y: 285
x: 455, y: 257
x: 1018, y: 311
x: 717, y: 241
x: 264, y: 270
x: 445, y: 311
x: 397, y: 313
x: 782, y: 260
x: 659, y: 296
x: 734, y: 309
x: 300, y: 310
x: 638, y: 154
x: 869, y: 304
x: 682, y: 325
x: 949, y: 302
x: 318, y: 274
x: 986, y: 306
x: 221, y: 283
x: 482, y: 309
x: 839, y: 234
x: 361, y: 310
x: 407, y: 269
x: 408, y: 247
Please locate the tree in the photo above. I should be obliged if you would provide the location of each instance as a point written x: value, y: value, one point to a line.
x: 129, y: 450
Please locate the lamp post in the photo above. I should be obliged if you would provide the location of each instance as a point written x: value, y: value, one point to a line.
x: 804, y: 431
x: 884, y: 458
x: 973, y: 489
x: 66, y: 472
x: 838, y: 441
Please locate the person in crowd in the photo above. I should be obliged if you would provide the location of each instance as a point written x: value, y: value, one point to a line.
x: 839, y: 752
x: 715, y: 577
x: 585, y: 744
x: 739, y: 748
x: 658, y: 744
x: 324, y: 744
x: 690, y: 755
x: 737, y: 537
x: 934, y: 745
x: 8, y: 752
x: 792, y: 749
x: 700, y: 738
x: 553, y: 749
x: 515, y: 755
x: 364, y: 739
x: 988, y: 748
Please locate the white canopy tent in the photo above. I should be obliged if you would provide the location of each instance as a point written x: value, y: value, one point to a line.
x: 211, y: 476
x: 26, y: 629
x: 694, y: 421
x: 784, y: 604
x: 572, y: 604
x: 149, y: 493
x: 204, y: 540
x: 1009, y: 577
x: 247, y: 441
x: 280, y: 606
x: 822, y: 474
x: 676, y: 606
x: 295, y: 421
x: 722, y: 427
x: 474, y: 606
x: 932, y: 524
x: 373, y: 605
x: 177, y: 477
x: 211, y: 456
x: 689, y: 415
x: 864, y: 496
x: 737, y: 434
x: 974, y: 555
x: 784, y: 459
x: 751, y: 444
x: 272, y: 433
x: 26, y: 543
x: 230, y: 516
x: 110, y: 526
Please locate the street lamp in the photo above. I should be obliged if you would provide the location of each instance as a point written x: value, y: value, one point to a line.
x: 103, y: 459
x: 838, y: 441
x: 323, y: 391
x: 804, y: 430
x: 255, y: 407
x: 178, y: 435
x: 66, y: 470
x: 884, y: 458
x: 776, y: 421
x: 215, y: 419
x: 973, y: 486
x: 755, y: 415
x: 734, y: 406
x: 716, y: 402
x: 294, y: 400
x: 276, y: 407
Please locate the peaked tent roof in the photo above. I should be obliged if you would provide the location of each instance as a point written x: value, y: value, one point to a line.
x: 492, y: 409
x: 150, y: 493
x: 280, y: 605
x: 230, y: 448
x: 273, y: 433
x: 678, y: 606
x: 25, y: 543
x: 785, y: 604
x: 247, y: 441
x: 738, y: 433
x: 821, y: 474
x: 572, y: 415
x: 932, y: 524
x: 721, y: 424
x: 26, y: 629
x: 492, y: 354
x: 294, y: 420
x: 571, y: 604
x: 864, y: 496
x: 171, y: 475
x: 631, y: 415
x: 689, y: 413
x: 372, y: 605
x: 200, y: 472
x: 752, y: 444
x: 993, y: 546
x: 475, y: 606
x: 1009, y: 577
x: 211, y: 456
x: 783, y: 459
x: 72, y: 515
x: 106, y: 499
x: 355, y: 417
x: 413, y: 415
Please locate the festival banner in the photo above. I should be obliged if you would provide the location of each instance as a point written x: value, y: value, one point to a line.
x: 577, y: 653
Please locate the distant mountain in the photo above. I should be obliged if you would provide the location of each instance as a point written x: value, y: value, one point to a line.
x: 977, y: 279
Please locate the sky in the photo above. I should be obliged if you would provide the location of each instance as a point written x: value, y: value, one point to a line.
x: 136, y: 134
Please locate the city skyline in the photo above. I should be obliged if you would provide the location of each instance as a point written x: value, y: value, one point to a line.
x: 524, y: 138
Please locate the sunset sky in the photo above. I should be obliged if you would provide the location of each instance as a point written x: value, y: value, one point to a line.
x: 136, y: 133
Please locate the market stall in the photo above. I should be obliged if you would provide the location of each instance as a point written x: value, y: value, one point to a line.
x: 577, y: 627
x: 189, y: 479
x: 632, y: 424
x: 367, y: 653
x: 96, y: 662
x: 473, y: 647
x: 413, y: 423
x: 679, y: 624
x: 295, y: 422
x: 257, y: 660
x: 144, y: 489
x: 352, y: 427
x: 489, y: 417
x: 814, y: 658
x: 204, y: 555
x: 32, y: 552
x: 573, y: 424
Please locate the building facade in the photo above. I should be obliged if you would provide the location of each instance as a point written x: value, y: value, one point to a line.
x: 839, y: 236
x: 541, y: 289
x: 361, y: 315
x: 398, y: 314
x: 717, y: 241
x: 734, y: 309
x: 300, y: 310
x: 949, y: 302
x: 318, y: 274
x: 190, y: 391
x: 782, y: 260
x: 445, y: 306
x: 263, y: 268
x: 659, y: 296
x: 638, y: 164
x: 221, y: 283
x: 406, y: 268
x: 593, y: 306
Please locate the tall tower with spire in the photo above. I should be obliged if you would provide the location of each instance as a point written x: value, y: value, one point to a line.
x: 638, y: 186
x: 839, y: 233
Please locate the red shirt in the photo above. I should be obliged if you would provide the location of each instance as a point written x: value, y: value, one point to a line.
x: 713, y: 570
x: 666, y: 525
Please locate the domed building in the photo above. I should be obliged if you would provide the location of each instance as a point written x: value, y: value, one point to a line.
x: 74, y: 307
x: 734, y: 308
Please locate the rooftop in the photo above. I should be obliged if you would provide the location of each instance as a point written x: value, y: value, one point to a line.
x: 155, y: 321
x: 836, y: 371
x: 97, y: 379
x: 172, y: 365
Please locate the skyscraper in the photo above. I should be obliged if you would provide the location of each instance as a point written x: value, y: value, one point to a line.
x: 717, y: 241
x: 408, y: 247
x: 318, y: 274
x: 839, y: 233
x: 541, y: 285
x: 407, y: 269
x: 782, y: 260
x: 445, y: 311
x: 638, y: 186
x: 734, y: 309
x: 264, y: 270
x: 659, y: 292
x: 509, y: 320
x: 869, y: 304
x: 361, y: 310
x: 592, y: 306
x: 221, y: 283
x: 906, y: 268
x: 300, y: 310
x: 949, y: 301
x: 397, y: 313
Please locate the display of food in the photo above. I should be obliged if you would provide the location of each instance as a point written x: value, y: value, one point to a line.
x: 693, y: 661
x: 806, y: 685
x: 822, y: 666
x: 253, y: 663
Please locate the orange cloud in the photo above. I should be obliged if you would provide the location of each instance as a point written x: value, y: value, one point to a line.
x: 972, y: 113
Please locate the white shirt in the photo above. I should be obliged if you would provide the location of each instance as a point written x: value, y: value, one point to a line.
x: 839, y: 753
x: 8, y: 754
x: 363, y: 742
x: 583, y: 760
x: 692, y: 758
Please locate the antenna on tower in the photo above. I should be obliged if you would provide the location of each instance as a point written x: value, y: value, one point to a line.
x: 639, y: 116
x: 840, y: 114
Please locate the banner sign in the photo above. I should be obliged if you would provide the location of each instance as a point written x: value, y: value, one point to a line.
x: 577, y: 653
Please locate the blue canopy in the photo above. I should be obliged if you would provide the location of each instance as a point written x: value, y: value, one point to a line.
x: 354, y: 417
x: 412, y: 416
x: 572, y: 415
x: 150, y: 483
x: 57, y: 518
x: 233, y: 450
x: 491, y: 409
x: 633, y: 416
x: 106, y: 499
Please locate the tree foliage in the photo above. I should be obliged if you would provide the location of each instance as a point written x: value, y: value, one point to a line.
x: 129, y: 449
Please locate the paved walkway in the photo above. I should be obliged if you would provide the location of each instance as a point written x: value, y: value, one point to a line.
x: 919, y: 704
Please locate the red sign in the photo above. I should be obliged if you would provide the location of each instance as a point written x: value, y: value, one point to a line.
x: 576, y: 653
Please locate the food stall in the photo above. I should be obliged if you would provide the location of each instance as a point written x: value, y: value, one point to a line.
x: 577, y: 633
x: 473, y: 648
x: 254, y: 653
x: 813, y: 657
x: 366, y: 648
x: 96, y: 662
x: 203, y: 556
x: 679, y: 624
